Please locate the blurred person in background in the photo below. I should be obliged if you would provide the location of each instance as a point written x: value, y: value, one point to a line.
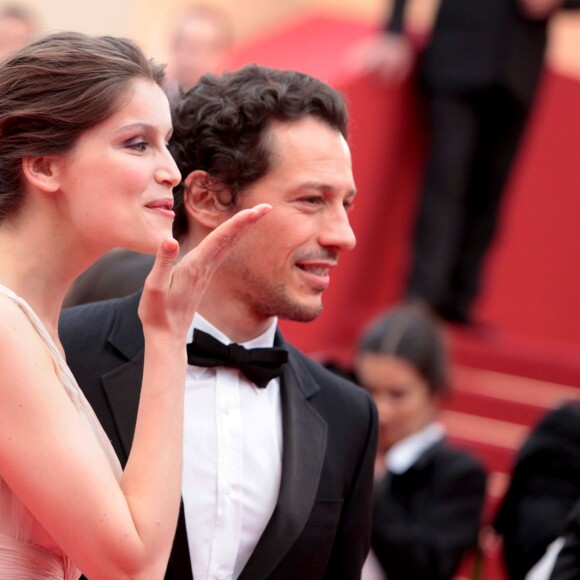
x: 479, y: 72
x: 429, y: 496
x: 543, y: 489
x: 201, y: 41
x: 17, y: 28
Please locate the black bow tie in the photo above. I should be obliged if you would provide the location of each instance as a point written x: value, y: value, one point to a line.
x: 259, y: 365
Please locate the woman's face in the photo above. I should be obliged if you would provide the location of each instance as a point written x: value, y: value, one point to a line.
x: 404, y: 402
x: 116, y: 183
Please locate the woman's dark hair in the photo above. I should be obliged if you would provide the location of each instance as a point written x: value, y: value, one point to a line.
x: 221, y: 125
x: 411, y: 333
x: 53, y: 90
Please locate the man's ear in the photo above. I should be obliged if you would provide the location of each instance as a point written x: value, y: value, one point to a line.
x: 41, y: 172
x: 201, y: 200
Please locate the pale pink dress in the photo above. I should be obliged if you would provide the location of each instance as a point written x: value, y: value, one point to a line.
x: 27, y: 552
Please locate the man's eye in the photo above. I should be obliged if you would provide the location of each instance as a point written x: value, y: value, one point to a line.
x: 315, y: 200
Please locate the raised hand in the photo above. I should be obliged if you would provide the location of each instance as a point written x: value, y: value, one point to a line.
x: 173, y: 292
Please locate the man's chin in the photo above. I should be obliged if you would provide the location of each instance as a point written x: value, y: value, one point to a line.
x: 302, y: 313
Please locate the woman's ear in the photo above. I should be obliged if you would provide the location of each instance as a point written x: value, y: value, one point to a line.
x: 41, y: 172
x: 201, y: 200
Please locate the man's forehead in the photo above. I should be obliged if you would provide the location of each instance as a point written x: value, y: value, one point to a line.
x: 305, y: 137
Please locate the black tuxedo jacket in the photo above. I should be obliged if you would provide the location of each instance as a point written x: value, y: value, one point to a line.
x: 544, y: 486
x: 476, y: 44
x: 320, y: 527
x: 425, y: 519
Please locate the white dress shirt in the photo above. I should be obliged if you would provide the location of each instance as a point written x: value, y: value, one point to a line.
x: 543, y: 568
x: 403, y: 454
x: 232, y: 461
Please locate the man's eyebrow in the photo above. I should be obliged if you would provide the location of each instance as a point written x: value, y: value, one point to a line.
x: 320, y: 186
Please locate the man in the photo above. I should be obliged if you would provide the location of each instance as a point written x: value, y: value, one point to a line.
x: 480, y: 71
x: 277, y: 481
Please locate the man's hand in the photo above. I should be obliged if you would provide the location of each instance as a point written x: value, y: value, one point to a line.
x: 390, y: 56
x: 538, y: 9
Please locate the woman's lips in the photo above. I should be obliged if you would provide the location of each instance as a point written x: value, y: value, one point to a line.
x: 163, y: 207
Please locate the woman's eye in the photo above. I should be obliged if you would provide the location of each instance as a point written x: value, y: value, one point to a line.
x: 138, y: 145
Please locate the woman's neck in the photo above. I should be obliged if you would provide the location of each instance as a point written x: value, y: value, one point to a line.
x: 39, y: 263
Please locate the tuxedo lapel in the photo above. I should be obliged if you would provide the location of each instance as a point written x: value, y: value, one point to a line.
x: 304, y: 449
x: 122, y: 387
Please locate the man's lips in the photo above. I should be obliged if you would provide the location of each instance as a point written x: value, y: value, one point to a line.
x: 318, y: 273
x: 318, y: 267
x: 315, y: 269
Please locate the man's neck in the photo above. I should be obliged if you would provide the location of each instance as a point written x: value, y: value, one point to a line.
x: 232, y: 320
x: 229, y: 314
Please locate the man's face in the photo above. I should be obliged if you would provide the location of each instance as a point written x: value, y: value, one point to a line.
x: 282, y: 266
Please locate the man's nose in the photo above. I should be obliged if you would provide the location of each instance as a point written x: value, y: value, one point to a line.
x: 337, y: 232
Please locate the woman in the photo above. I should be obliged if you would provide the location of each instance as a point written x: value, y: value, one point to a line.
x: 429, y: 495
x: 84, y: 167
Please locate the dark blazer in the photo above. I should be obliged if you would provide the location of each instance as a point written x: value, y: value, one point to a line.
x: 320, y: 527
x: 118, y: 273
x: 544, y: 486
x: 425, y: 519
x: 476, y: 44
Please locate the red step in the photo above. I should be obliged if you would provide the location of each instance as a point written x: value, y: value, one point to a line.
x: 503, y: 396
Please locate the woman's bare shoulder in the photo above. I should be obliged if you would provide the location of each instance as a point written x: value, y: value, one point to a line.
x: 17, y: 333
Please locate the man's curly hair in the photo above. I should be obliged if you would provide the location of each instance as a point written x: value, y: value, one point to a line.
x: 221, y: 126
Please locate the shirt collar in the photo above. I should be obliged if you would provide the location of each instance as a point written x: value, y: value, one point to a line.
x: 265, y: 340
x: 403, y: 454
